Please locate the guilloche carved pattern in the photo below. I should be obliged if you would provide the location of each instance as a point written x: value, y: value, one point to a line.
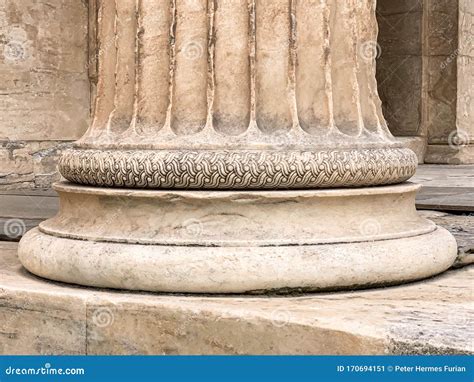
x: 238, y: 169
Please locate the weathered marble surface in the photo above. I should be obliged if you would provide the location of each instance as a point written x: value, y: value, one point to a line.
x: 454, y: 155
x: 40, y: 317
x: 43, y: 77
x: 450, y: 188
x: 168, y: 70
x: 237, y: 95
x: 237, y: 241
x: 304, y: 115
x: 29, y: 164
x: 400, y: 65
x: 425, y: 75
x: 56, y: 88
x: 462, y: 228
x: 22, y: 210
x: 44, y: 87
x: 450, y: 84
x: 465, y: 62
x: 446, y: 188
x: 429, y: 175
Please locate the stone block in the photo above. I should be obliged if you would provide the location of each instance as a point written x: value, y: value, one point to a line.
x: 442, y: 33
x: 400, y: 87
x: 441, y: 99
x: 44, y: 317
x: 388, y: 7
x: 43, y: 77
x: 400, y: 34
x: 29, y: 164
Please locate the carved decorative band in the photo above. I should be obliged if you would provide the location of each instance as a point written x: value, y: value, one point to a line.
x: 239, y: 169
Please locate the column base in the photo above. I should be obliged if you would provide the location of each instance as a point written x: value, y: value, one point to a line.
x: 446, y: 154
x: 237, y: 241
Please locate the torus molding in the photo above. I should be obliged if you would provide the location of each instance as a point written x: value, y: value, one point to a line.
x: 238, y: 169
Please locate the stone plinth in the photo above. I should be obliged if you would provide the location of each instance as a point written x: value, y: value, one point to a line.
x: 196, y: 241
x: 256, y: 129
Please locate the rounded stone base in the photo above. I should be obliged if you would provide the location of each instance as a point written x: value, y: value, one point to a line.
x: 237, y: 241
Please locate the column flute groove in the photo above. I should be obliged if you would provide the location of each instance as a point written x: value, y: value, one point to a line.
x: 292, y: 66
x: 172, y: 64
x: 211, y: 64
x: 252, y: 56
x: 138, y: 67
x: 356, y: 70
x: 327, y: 66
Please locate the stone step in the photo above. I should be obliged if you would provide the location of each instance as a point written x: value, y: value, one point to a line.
x: 22, y: 210
x: 433, y: 316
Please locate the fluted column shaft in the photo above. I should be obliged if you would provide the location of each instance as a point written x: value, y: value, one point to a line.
x: 237, y: 94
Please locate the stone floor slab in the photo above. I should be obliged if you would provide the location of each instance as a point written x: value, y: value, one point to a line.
x: 41, y: 317
x: 445, y: 175
x: 22, y: 210
x: 462, y: 228
x: 455, y: 199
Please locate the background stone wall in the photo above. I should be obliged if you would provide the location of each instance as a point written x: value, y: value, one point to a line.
x: 44, y: 87
x: 425, y: 75
x: 465, y: 70
x: 450, y: 82
x: 400, y: 64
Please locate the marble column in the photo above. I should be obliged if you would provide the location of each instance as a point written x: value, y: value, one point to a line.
x: 237, y: 146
